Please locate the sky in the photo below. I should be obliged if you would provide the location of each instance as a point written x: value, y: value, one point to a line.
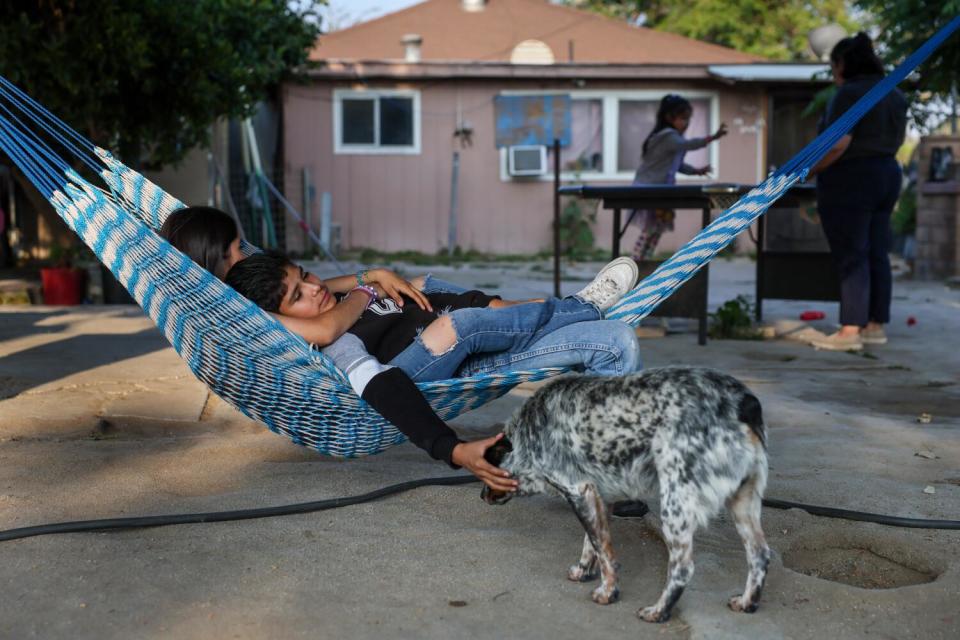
x: 343, y: 13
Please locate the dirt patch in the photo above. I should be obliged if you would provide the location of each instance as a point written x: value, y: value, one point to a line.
x: 856, y: 567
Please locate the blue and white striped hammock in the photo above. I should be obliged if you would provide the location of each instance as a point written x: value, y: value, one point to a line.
x: 242, y: 353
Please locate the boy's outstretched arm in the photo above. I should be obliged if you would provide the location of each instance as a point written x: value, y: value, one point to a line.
x: 395, y: 396
x: 392, y: 394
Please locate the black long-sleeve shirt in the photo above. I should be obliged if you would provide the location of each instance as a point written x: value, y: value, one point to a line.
x: 394, y: 395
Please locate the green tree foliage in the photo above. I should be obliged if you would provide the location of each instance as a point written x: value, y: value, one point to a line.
x: 775, y: 30
x: 149, y: 77
x: 901, y: 26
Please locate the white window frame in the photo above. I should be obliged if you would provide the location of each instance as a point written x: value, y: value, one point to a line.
x: 611, y: 131
x: 339, y: 95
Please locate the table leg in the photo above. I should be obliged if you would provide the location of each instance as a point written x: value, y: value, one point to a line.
x: 615, y: 245
x: 758, y: 308
x: 702, y: 325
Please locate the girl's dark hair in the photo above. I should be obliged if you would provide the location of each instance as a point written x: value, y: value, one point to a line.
x: 670, y: 107
x: 204, y: 234
x: 259, y: 278
x: 857, y: 57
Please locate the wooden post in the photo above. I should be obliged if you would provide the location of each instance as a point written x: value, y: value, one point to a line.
x: 556, y: 217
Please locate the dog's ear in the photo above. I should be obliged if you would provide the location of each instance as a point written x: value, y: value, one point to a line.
x: 495, y: 454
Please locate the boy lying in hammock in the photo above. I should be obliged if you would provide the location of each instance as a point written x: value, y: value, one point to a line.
x: 210, y: 237
x: 438, y: 336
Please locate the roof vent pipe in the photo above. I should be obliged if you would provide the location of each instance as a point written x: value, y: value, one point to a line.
x: 411, y: 46
x: 473, y: 5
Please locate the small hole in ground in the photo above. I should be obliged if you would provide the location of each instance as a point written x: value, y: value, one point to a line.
x: 856, y: 567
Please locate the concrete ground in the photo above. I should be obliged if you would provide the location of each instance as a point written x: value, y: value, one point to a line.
x: 100, y: 418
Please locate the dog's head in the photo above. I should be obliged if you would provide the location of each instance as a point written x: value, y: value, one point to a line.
x: 495, y: 455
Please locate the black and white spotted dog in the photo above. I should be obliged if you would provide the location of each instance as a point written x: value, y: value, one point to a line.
x: 696, y: 435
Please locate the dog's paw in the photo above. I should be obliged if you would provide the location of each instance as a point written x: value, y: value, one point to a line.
x: 579, y: 573
x: 652, y: 614
x: 736, y: 604
x: 602, y: 596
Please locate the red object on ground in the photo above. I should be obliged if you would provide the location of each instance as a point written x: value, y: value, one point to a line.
x: 911, y: 321
x: 62, y: 285
x: 813, y: 315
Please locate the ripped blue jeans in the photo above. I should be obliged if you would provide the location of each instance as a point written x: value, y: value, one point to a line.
x: 556, y: 333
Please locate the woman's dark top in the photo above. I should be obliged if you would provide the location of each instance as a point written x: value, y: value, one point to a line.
x: 881, y: 131
x: 386, y: 329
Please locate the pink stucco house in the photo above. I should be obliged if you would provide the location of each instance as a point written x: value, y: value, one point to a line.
x: 390, y: 102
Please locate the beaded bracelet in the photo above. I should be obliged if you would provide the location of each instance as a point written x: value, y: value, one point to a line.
x: 361, y: 278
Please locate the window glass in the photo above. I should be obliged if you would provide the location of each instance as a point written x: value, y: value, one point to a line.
x: 396, y: 121
x: 357, y: 121
x: 585, y: 151
x: 636, y: 120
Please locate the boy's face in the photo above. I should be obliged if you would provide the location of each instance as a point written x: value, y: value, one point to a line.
x: 306, y: 296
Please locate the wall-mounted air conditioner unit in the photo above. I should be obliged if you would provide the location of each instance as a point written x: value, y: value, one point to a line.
x: 527, y: 160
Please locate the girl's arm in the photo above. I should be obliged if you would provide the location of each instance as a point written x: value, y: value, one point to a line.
x: 392, y: 284
x: 330, y: 325
x: 679, y: 143
x: 690, y: 170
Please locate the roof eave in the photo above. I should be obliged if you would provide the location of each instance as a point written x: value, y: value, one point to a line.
x: 771, y: 73
x: 353, y: 69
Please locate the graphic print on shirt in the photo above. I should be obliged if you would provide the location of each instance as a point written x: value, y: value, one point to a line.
x: 385, y: 307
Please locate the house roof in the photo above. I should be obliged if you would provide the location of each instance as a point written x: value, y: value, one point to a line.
x: 452, y: 34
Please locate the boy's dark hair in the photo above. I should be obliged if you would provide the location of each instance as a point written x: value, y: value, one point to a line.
x: 204, y: 234
x: 671, y: 106
x: 259, y: 278
x: 857, y: 56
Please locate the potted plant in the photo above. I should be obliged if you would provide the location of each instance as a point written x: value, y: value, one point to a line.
x: 63, y: 284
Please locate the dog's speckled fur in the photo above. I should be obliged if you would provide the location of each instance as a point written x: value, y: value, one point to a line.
x: 694, y: 435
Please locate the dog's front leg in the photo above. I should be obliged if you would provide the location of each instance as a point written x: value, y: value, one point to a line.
x: 586, y: 568
x: 592, y: 513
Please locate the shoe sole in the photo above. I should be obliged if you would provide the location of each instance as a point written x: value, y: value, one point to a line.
x: 826, y: 346
x: 874, y: 340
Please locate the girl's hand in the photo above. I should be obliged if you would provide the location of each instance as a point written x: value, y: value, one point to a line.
x: 469, y: 455
x: 722, y: 131
x: 395, y: 287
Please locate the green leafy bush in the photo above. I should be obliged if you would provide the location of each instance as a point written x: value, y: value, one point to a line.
x: 734, y: 320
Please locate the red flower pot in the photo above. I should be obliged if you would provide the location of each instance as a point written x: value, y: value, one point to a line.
x: 62, y: 285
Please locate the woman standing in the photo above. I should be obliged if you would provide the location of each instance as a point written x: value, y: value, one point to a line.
x: 857, y: 188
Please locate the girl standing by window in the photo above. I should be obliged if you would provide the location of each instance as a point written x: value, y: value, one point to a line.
x: 663, y: 152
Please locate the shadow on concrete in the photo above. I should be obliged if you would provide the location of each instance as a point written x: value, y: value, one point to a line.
x: 44, y: 363
x: 26, y: 323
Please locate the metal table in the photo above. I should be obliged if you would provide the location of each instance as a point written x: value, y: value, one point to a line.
x: 686, y: 196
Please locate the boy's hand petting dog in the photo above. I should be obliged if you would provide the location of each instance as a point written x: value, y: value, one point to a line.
x: 469, y: 455
x: 395, y: 287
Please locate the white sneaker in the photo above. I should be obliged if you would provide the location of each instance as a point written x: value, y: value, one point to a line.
x: 611, y: 284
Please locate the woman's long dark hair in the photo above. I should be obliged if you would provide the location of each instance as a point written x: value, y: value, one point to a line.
x: 204, y: 234
x: 671, y: 106
x: 857, y: 56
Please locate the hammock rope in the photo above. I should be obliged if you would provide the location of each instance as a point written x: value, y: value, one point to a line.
x: 243, y: 354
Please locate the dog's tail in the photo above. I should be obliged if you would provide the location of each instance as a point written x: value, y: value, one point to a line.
x: 750, y: 413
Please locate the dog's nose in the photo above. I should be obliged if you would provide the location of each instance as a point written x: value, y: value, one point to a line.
x: 491, y: 496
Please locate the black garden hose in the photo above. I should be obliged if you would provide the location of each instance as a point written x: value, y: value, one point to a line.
x: 446, y: 481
